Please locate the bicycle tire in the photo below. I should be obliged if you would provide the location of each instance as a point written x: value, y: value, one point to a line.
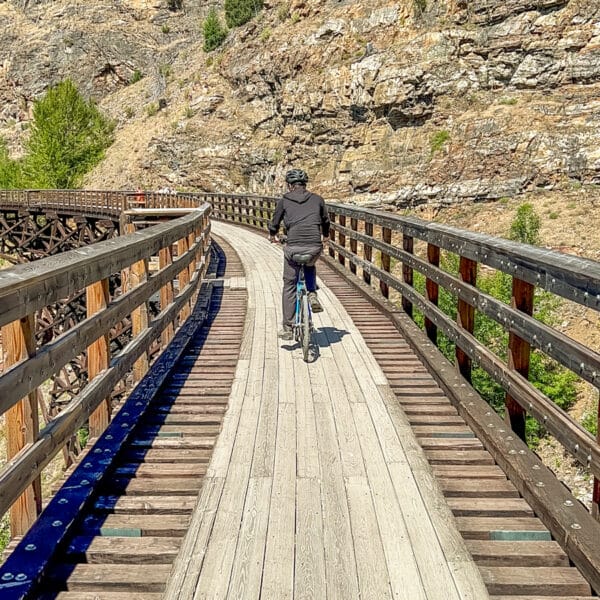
x: 305, y: 327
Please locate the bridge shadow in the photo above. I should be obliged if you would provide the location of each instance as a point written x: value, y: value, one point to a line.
x: 185, y: 349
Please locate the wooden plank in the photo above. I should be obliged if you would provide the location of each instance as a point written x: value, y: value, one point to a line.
x: 309, y: 567
x: 102, y: 596
x: 472, y: 488
x: 350, y: 452
x: 373, y: 577
x: 142, y: 525
x: 82, y: 577
x: 248, y: 564
x: 542, y: 580
x: 147, y: 505
x: 479, y: 528
x: 402, y: 568
x: 490, y: 507
x: 523, y: 554
x: 159, y: 550
x: 340, y: 561
x: 278, y: 573
x: 185, y: 571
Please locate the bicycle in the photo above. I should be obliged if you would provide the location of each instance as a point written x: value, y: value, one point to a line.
x: 302, y: 328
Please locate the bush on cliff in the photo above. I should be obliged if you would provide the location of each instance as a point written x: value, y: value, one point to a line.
x: 214, y: 32
x: 69, y: 136
x: 238, y: 12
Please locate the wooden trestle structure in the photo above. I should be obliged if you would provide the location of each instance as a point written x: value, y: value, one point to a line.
x: 120, y: 290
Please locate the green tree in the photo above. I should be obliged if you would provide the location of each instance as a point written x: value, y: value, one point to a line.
x: 10, y: 170
x: 525, y: 227
x: 69, y: 136
x: 238, y: 12
x: 214, y: 32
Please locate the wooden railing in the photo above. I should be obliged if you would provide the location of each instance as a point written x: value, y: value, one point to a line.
x: 366, y: 243
x: 182, y: 247
x: 573, y: 278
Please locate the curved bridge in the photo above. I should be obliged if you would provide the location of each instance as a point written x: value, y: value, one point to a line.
x: 233, y: 469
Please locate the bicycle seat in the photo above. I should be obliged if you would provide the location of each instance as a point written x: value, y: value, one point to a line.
x: 302, y: 259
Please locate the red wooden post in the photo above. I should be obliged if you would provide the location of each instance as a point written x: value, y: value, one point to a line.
x: 432, y: 289
x: 184, y: 279
x: 165, y: 258
x: 596, y: 491
x: 386, y: 236
x: 518, y: 353
x: 98, y: 354
x: 332, y: 234
x: 353, y: 243
x: 368, y: 252
x: 466, y: 315
x: 341, y: 258
x: 22, y: 422
x: 407, y: 273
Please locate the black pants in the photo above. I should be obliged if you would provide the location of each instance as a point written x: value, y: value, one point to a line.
x: 291, y: 271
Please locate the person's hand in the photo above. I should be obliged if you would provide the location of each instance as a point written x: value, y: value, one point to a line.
x: 273, y: 239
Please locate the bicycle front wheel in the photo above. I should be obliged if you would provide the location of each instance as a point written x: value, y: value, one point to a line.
x: 305, y: 327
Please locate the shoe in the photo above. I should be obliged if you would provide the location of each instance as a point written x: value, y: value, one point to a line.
x: 315, y: 305
x: 286, y: 333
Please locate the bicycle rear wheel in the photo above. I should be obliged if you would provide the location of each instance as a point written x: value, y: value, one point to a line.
x: 305, y: 327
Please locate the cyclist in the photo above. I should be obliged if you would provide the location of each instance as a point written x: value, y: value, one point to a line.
x: 306, y: 220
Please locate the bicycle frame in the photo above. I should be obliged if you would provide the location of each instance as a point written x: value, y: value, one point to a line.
x: 300, y: 291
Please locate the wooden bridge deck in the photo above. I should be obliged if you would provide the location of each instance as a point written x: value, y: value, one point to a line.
x: 317, y: 487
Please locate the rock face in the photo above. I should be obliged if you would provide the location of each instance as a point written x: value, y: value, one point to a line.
x: 400, y: 103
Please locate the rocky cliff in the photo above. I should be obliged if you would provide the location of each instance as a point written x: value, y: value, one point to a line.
x: 383, y: 102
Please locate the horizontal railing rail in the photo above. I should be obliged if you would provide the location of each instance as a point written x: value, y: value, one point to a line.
x: 182, y: 247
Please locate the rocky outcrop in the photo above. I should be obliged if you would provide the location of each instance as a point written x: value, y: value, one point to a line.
x: 400, y: 103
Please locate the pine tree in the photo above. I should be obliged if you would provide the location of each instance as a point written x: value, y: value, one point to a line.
x: 238, y: 12
x: 214, y: 32
x: 68, y: 137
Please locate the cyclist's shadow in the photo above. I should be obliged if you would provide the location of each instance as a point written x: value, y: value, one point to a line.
x: 323, y: 337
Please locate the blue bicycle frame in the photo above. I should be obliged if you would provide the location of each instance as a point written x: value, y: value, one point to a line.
x: 300, y: 290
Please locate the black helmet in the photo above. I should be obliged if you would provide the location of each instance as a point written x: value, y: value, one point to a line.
x: 296, y: 176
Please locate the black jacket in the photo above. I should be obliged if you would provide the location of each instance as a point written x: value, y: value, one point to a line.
x: 304, y: 216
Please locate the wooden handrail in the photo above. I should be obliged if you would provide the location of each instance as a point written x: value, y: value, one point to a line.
x: 27, y: 288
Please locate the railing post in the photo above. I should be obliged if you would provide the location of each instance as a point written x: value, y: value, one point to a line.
x: 342, y: 239
x: 368, y: 252
x: 332, y: 234
x: 22, y: 422
x: 98, y: 354
x: 518, y: 353
x: 432, y: 289
x: 353, y: 243
x: 254, y: 221
x: 407, y: 273
x: 184, y: 278
x: 165, y: 258
x: 138, y: 274
x: 596, y: 490
x: 386, y: 236
x: 466, y: 315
